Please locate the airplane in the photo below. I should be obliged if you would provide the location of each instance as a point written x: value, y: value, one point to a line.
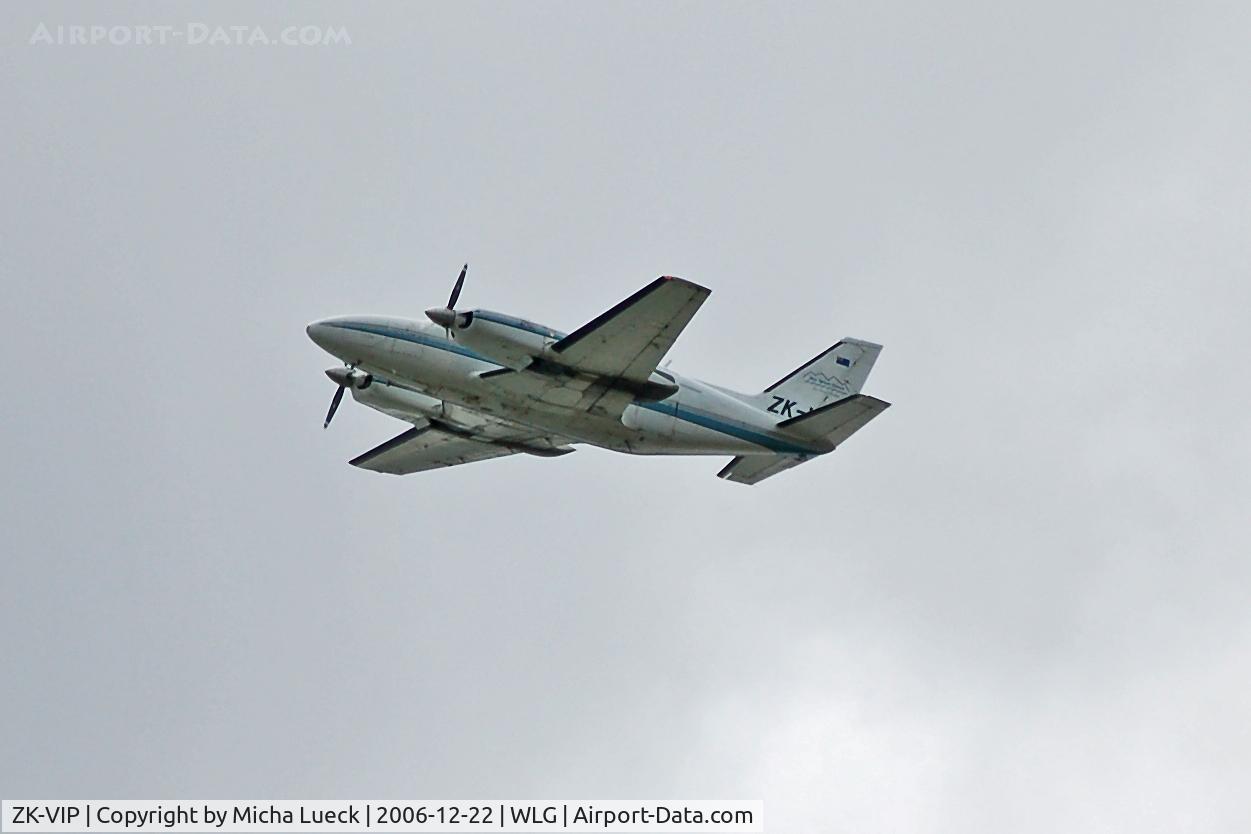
x: 477, y: 384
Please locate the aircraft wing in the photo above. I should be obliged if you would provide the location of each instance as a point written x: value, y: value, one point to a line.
x: 431, y: 446
x: 628, y: 341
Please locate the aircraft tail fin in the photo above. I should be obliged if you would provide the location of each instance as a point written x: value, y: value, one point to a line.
x: 834, y: 374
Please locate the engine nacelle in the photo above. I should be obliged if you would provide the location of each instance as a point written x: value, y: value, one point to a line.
x: 511, y: 341
x: 524, y: 345
x: 398, y: 402
x: 405, y: 404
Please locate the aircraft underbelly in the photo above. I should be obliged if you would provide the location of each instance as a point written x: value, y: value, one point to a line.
x: 665, y: 427
x: 641, y: 430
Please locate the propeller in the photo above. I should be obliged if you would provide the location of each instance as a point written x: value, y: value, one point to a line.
x: 334, y: 406
x: 343, y: 377
x: 447, y: 316
x: 460, y: 283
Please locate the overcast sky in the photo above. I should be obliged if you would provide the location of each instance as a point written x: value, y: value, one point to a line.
x: 1018, y: 601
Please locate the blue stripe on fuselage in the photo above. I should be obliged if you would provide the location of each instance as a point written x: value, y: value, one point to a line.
x: 412, y: 336
x: 742, y: 432
x: 520, y: 324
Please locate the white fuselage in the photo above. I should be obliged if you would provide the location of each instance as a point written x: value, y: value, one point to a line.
x: 418, y: 373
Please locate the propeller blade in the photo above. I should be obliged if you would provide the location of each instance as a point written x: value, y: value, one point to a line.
x: 460, y: 282
x: 334, y: 406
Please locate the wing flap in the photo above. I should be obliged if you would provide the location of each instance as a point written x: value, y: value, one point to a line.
x: 629, y: 341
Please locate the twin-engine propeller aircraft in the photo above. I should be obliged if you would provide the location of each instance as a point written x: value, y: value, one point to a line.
x: 477, y: 385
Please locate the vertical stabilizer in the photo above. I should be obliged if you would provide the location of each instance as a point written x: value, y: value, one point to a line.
x: 832, y: 375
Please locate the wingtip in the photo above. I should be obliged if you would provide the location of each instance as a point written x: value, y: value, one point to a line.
x: 698, y: 287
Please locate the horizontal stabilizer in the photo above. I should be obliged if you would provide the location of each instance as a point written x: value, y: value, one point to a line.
x: 837, y: 421
x: 752, y: 469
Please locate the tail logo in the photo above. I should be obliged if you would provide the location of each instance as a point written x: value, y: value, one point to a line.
x: 829, y: 384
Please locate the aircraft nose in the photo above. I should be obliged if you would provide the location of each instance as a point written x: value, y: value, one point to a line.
x: 317, y: 332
